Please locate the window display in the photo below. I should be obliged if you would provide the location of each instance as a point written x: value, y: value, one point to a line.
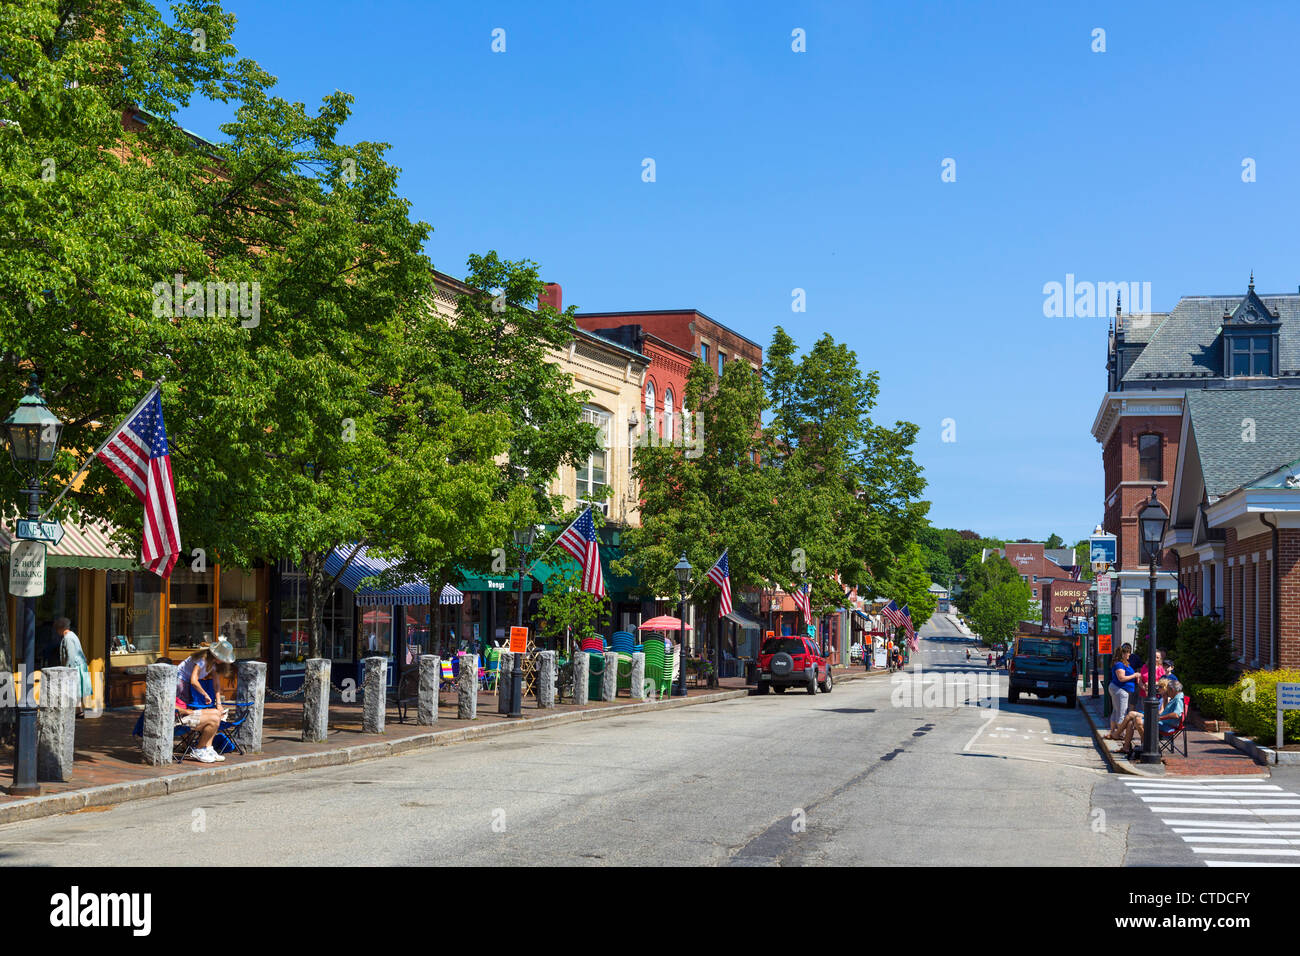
x: 239, y: 618
x: 135, y: 614
x: 191, y: 614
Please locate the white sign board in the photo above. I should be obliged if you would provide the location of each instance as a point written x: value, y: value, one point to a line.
x: 880, y: 659
x: 27, y: 568
x: 1288, y: 696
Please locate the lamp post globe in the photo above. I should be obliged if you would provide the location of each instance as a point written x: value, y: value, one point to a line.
x: 1153, y: 520
x: 682, y: 571
x: 32, y: 435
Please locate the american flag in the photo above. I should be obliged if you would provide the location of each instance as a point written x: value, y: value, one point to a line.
x: 892, y: 614
x: 1186, y: 604
x: 802, y: 603
x: 579, y: 539
x: 907, y: 626
x: 137, y: 453
x: 720, y: 574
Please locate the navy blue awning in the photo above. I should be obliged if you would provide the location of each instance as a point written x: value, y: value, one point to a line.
x: 365, y: 566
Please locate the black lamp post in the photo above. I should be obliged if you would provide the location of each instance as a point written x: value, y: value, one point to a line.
x: 1153, y: 520
x: 683, y: 572
x: 524, y: 542
x: 32, y: 433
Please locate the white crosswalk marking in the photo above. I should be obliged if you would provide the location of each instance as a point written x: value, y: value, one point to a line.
x: 1217, y: 829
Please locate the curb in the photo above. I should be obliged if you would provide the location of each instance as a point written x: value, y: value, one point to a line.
x: 114, y: 793
x: 1262, y: 755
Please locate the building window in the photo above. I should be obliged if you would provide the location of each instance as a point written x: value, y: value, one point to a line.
x: 704, y: 352
x: 192, y: 614
x: 1149, y: 458
x: 650, y: 425
x: 1252, y: 355
x: 668, y: 415
x: 295, y: 611
x: 239, y: 618
x: 593, y: 477
x: 135, y: 615
x: 722, y: 359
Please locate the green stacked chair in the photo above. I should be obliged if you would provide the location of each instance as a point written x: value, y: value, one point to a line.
x: 595, y: 674
x: 656, y: 666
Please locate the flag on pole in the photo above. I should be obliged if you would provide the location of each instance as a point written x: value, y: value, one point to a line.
x: 579, y: 539
x: 720, y: 574
x: 892, y: 614
x: 137, y: 452
x: 802, y: 603
x: 907, y: 626
x: 1186, y: 604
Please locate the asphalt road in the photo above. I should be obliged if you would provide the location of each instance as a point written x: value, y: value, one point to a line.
x: 873, y: 773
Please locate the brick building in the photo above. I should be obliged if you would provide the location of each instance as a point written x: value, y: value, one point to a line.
x: 1201, y: 405
x: 1057, y: 597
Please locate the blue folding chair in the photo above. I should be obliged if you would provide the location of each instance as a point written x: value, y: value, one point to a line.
x: 224, y: 742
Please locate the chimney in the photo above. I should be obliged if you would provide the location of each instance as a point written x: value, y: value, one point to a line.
x: 550, y: 295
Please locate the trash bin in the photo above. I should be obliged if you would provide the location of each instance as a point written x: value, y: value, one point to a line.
x: 751, y: 672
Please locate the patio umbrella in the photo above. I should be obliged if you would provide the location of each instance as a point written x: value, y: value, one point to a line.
x: 663, y: 623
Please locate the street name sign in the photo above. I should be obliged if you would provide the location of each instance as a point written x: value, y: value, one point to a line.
x: 48, y: 531
x: 27, y: 568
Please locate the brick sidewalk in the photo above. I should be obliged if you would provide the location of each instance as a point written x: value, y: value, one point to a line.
x: 1207, y: 754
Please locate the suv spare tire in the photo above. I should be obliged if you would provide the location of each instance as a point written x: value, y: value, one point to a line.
x: 782, y: 664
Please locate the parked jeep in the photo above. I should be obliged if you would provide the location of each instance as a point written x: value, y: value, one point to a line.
x: 792, y: 662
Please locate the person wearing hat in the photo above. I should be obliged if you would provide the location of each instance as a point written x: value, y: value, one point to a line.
x: 201, y: 711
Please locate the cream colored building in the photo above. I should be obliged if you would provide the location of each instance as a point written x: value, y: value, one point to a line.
x: 613, y: 377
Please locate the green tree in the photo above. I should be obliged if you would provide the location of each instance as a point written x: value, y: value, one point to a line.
x: 1054, y: 541
x: 997, y: 613
x: 908, y: 583
x: 565, y: 608
x: 981, y: 576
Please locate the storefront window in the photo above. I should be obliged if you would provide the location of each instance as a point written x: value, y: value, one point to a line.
x: 417, y: 631
x: 59, y: 600
x: 295, y: 612
x: 135, y: 622
x: 377, y: 630
x: 191, y: 610
x: 239, y: 620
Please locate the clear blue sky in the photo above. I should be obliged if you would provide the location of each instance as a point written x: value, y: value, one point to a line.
x: 821, y: 170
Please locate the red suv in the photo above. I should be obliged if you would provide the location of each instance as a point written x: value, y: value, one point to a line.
x: 792, y: 662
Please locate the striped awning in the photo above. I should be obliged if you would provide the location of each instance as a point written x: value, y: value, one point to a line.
x: 81, y: 547
x: 366, y: 566
x: 450, y: 595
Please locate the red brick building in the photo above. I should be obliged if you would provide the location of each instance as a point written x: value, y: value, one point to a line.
x: 1203, y: 405
x: 1057, y: 597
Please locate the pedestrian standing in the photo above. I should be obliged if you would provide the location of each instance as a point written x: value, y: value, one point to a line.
x: 1123, y: 681
x: 71, y: 655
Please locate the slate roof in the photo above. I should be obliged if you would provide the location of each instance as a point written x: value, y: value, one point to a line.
x: 1227, y: 460
x: 1186, y: 344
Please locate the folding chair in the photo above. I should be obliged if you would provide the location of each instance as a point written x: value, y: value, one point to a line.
x: 183, y: 738
x: 1169, y: 741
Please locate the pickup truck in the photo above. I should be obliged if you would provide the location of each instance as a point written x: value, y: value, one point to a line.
x: 1044, y: 667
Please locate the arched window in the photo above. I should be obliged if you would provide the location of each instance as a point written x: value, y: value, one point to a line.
x: 650, y: 408
x: 1149, y: 458
x: 668, y: 415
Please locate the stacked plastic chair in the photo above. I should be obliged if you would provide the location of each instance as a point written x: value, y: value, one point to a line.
x: 656, y: 666
x: 624, y: 644
x: 595, y: 647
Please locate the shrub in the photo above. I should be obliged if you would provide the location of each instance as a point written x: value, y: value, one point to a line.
x: 1210, y: 700
x: 1251, y: 706
x: 1203, y: 653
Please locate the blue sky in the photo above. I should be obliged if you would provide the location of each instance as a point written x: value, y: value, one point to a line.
x: 820, y: 170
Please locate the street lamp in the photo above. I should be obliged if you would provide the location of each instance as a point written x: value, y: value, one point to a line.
x: 1153, y: 519
x: 524, y: 542
x: 32, y: 433
x: 683, y: 572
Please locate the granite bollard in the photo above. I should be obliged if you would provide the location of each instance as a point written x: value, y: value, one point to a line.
x: 467, y: 688
x: 251, y: 689
x: 581, y: 677
x: 430, y: 683
x: 638, y: 676
x: 56, y: 722
x: 316, y: 701
x: 545, y: 679
x: 505, y: 684
x: 159, y: 714
x: 374, y: 699
x: 609, y: 679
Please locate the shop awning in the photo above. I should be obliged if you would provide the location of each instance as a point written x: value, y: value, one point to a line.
x: 450, y: 595
x: 366, y: 566
x: 88, y: 547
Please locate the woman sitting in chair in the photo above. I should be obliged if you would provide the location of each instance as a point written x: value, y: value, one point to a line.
x: 195, y: 706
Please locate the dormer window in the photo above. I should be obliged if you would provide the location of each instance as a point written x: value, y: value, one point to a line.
x: 1251, y: 354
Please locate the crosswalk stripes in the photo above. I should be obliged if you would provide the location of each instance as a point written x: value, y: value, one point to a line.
x: 1227, y: 822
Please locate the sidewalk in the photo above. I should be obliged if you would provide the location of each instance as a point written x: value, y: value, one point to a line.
x: 109, y: 768
x: 1208, y: 754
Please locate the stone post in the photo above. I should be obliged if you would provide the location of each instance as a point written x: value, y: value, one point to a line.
x: 545, y: 679
x: 638, y: 676
x: 609, y: 679
x: 251, y: 687
x: 316, y: 701
x: 467, y: 688
x: 505, y: 683
x: 56, y: 722
x: 374, y: 699
x: 581, y: 677
x: 159, y: 714
x: 430, y: 682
